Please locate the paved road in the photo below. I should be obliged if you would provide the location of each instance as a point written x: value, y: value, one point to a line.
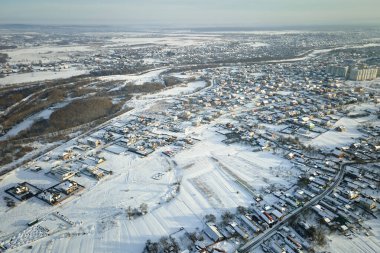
x: 268, y: 233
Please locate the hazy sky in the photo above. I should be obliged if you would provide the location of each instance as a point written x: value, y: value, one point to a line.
x: 191, y: 12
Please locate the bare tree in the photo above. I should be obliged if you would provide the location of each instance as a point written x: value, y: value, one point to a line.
x: 193, y: 237
x: 227, y: 217
x: 241, y: 209
x: 210, y: 218
x: 129, y: 212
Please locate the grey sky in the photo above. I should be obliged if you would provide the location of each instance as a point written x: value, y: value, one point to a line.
x: 191, y: 12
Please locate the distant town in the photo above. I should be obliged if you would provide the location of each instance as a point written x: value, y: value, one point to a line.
x: 196, y: 141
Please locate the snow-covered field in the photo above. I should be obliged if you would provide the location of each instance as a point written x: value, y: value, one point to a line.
x: 45, y: 54
x: 182, y: 89
x: 317, y: 52
x: 40, y: 76
x: 333, y: 138
x: 171, y: 40
x: 258, y: 169
x: 137, y: 79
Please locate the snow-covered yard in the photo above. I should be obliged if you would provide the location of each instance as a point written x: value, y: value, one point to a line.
x: 361, y: 243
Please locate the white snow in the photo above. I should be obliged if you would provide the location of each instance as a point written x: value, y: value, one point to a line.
x: 179, y: 40
x: 45, y: 54
x: 137, y: 79
x: 183, y: 89
x: 315, y: 53
x: 40, y: 76
x: 333, y: 138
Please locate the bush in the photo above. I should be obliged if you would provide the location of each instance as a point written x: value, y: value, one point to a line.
x: 210, y: 218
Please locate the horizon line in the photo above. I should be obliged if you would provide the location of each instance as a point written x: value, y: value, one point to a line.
x: 206, y: 26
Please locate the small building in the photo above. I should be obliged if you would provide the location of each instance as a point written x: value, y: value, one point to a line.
x: 95, y: 172
x: 61, y: 173
x: 343, y: 228
x: 340, y: 128
x: 21, y: 189
x: 93, y: 142
x: 212, y: 231
x: 239, y: 230
x: 248, y: 221
x: 277, y: 214
x: 68, y: 187
x: 368, y: 204
x: 351, y: 194
x: 50, y: 197
x: 67, y: 155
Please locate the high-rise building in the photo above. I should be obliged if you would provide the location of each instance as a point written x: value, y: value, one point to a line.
x: 357, y: 74
x: 353, y: 73
x: 335, y: 70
